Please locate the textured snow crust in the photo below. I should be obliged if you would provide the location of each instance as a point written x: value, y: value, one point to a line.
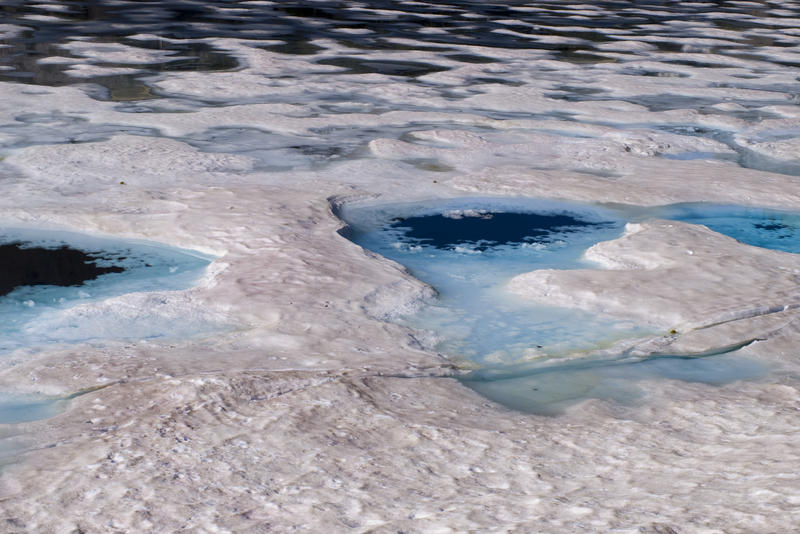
x: 316, y: 415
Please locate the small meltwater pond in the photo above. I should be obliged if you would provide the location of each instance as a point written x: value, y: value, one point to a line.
x: 52, y: 285
x: 469, y: 248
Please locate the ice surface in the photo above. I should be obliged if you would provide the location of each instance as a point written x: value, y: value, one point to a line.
x: 245, y: 148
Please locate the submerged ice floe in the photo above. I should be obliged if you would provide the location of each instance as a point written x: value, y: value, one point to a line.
x: 66, y: 287
x: 528, y: 355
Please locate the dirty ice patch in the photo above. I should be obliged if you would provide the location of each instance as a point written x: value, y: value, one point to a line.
x: 70, y: 287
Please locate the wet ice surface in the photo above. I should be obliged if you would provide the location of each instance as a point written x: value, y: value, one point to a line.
x: 550, y: 389
x: 60, y: 307
x: 233, y: 123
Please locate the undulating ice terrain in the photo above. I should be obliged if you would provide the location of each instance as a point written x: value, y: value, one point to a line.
x: 629, y: 363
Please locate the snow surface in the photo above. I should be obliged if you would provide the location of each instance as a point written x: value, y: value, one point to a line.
x: 314, y: 414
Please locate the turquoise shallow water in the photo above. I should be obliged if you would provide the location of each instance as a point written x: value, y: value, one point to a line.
x: 23, y: 408
x: 766, y: 228
x: 469, y: 248
x: 548, y: 390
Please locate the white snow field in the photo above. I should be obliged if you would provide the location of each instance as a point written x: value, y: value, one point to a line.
x: 289, y: 388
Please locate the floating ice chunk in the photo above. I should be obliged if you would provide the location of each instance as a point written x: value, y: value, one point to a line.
x: 626, y: 46
x: 91, y: 71
x: 9, y: 31
x: 460, y: 214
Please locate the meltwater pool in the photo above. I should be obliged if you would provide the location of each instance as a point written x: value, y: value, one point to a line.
x: 467, y: 249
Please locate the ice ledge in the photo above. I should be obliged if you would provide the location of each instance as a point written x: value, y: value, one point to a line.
x: 672, y: 275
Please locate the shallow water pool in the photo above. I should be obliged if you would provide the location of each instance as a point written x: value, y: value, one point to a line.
x: 468, y: 249
x: 60, y: 280
x: 760, y: 227
x: 24, y: 408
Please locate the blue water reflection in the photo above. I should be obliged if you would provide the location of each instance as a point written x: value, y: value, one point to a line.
x: 766, y: 228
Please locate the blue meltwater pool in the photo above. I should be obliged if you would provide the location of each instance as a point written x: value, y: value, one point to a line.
x: 468, y: 249
x: 54, y: 284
